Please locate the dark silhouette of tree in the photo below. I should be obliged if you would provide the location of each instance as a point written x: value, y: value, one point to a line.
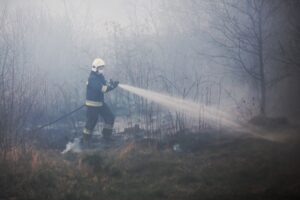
x: 243, y: 29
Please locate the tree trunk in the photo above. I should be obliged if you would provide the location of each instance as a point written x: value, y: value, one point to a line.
x: 261, y: 68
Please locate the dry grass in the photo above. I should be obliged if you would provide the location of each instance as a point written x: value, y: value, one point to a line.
x: 216, y: 169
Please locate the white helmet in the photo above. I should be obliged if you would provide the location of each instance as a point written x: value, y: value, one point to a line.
x: 97, y: 63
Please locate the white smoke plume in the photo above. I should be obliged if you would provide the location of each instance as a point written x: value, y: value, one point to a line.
x: 73, y: 146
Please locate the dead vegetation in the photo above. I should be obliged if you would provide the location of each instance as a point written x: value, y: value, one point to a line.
x: 226, y: 168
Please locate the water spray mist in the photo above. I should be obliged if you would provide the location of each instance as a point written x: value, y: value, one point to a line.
x: 191, y: 109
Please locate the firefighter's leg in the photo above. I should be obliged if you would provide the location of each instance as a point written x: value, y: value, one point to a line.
x: 109, y: 120
x: 92, y: 114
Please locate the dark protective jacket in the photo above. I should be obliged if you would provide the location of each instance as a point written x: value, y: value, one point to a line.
x: 96, y: 87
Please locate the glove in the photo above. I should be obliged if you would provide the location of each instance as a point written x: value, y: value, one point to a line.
x: 116, y: 83
x: 113, y: 84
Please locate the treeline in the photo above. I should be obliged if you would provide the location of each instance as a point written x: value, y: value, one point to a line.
x: 239, y: 56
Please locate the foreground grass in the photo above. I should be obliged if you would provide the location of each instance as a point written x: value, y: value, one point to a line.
x: 205, y: 169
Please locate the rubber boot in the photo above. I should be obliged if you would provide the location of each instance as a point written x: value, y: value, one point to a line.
x: 107, y: 134
x: 86, y: 138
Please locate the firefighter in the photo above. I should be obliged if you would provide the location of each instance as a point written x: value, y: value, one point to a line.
x: 97, y: 86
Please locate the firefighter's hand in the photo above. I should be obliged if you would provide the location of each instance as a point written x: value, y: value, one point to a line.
x: 116, y: 83
x: 113, y: 84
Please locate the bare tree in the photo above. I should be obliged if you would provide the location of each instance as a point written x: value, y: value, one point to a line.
x: 244, y: 29
x: 289, y: 51
x: 18, y: 88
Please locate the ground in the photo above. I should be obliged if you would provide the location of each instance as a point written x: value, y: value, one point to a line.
x: 202, y: 166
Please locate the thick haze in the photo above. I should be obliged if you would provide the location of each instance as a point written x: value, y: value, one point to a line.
x: 99, y: 10
x: 208, y: 99
x: 190, y: 49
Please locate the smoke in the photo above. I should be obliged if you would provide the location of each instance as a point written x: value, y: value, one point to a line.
x: 73, y: 146
x: 191, y: 109
x: 212, y: 115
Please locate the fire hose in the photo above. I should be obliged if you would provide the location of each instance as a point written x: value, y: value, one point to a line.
x: 58, y: 119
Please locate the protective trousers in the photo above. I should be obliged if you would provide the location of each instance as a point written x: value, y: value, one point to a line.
x: 92, y: 118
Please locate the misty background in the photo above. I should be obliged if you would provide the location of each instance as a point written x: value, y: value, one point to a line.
x: 239, y: 56
x: 208, y: 104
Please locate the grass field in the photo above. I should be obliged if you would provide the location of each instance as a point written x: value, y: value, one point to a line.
x: 207, y: 167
